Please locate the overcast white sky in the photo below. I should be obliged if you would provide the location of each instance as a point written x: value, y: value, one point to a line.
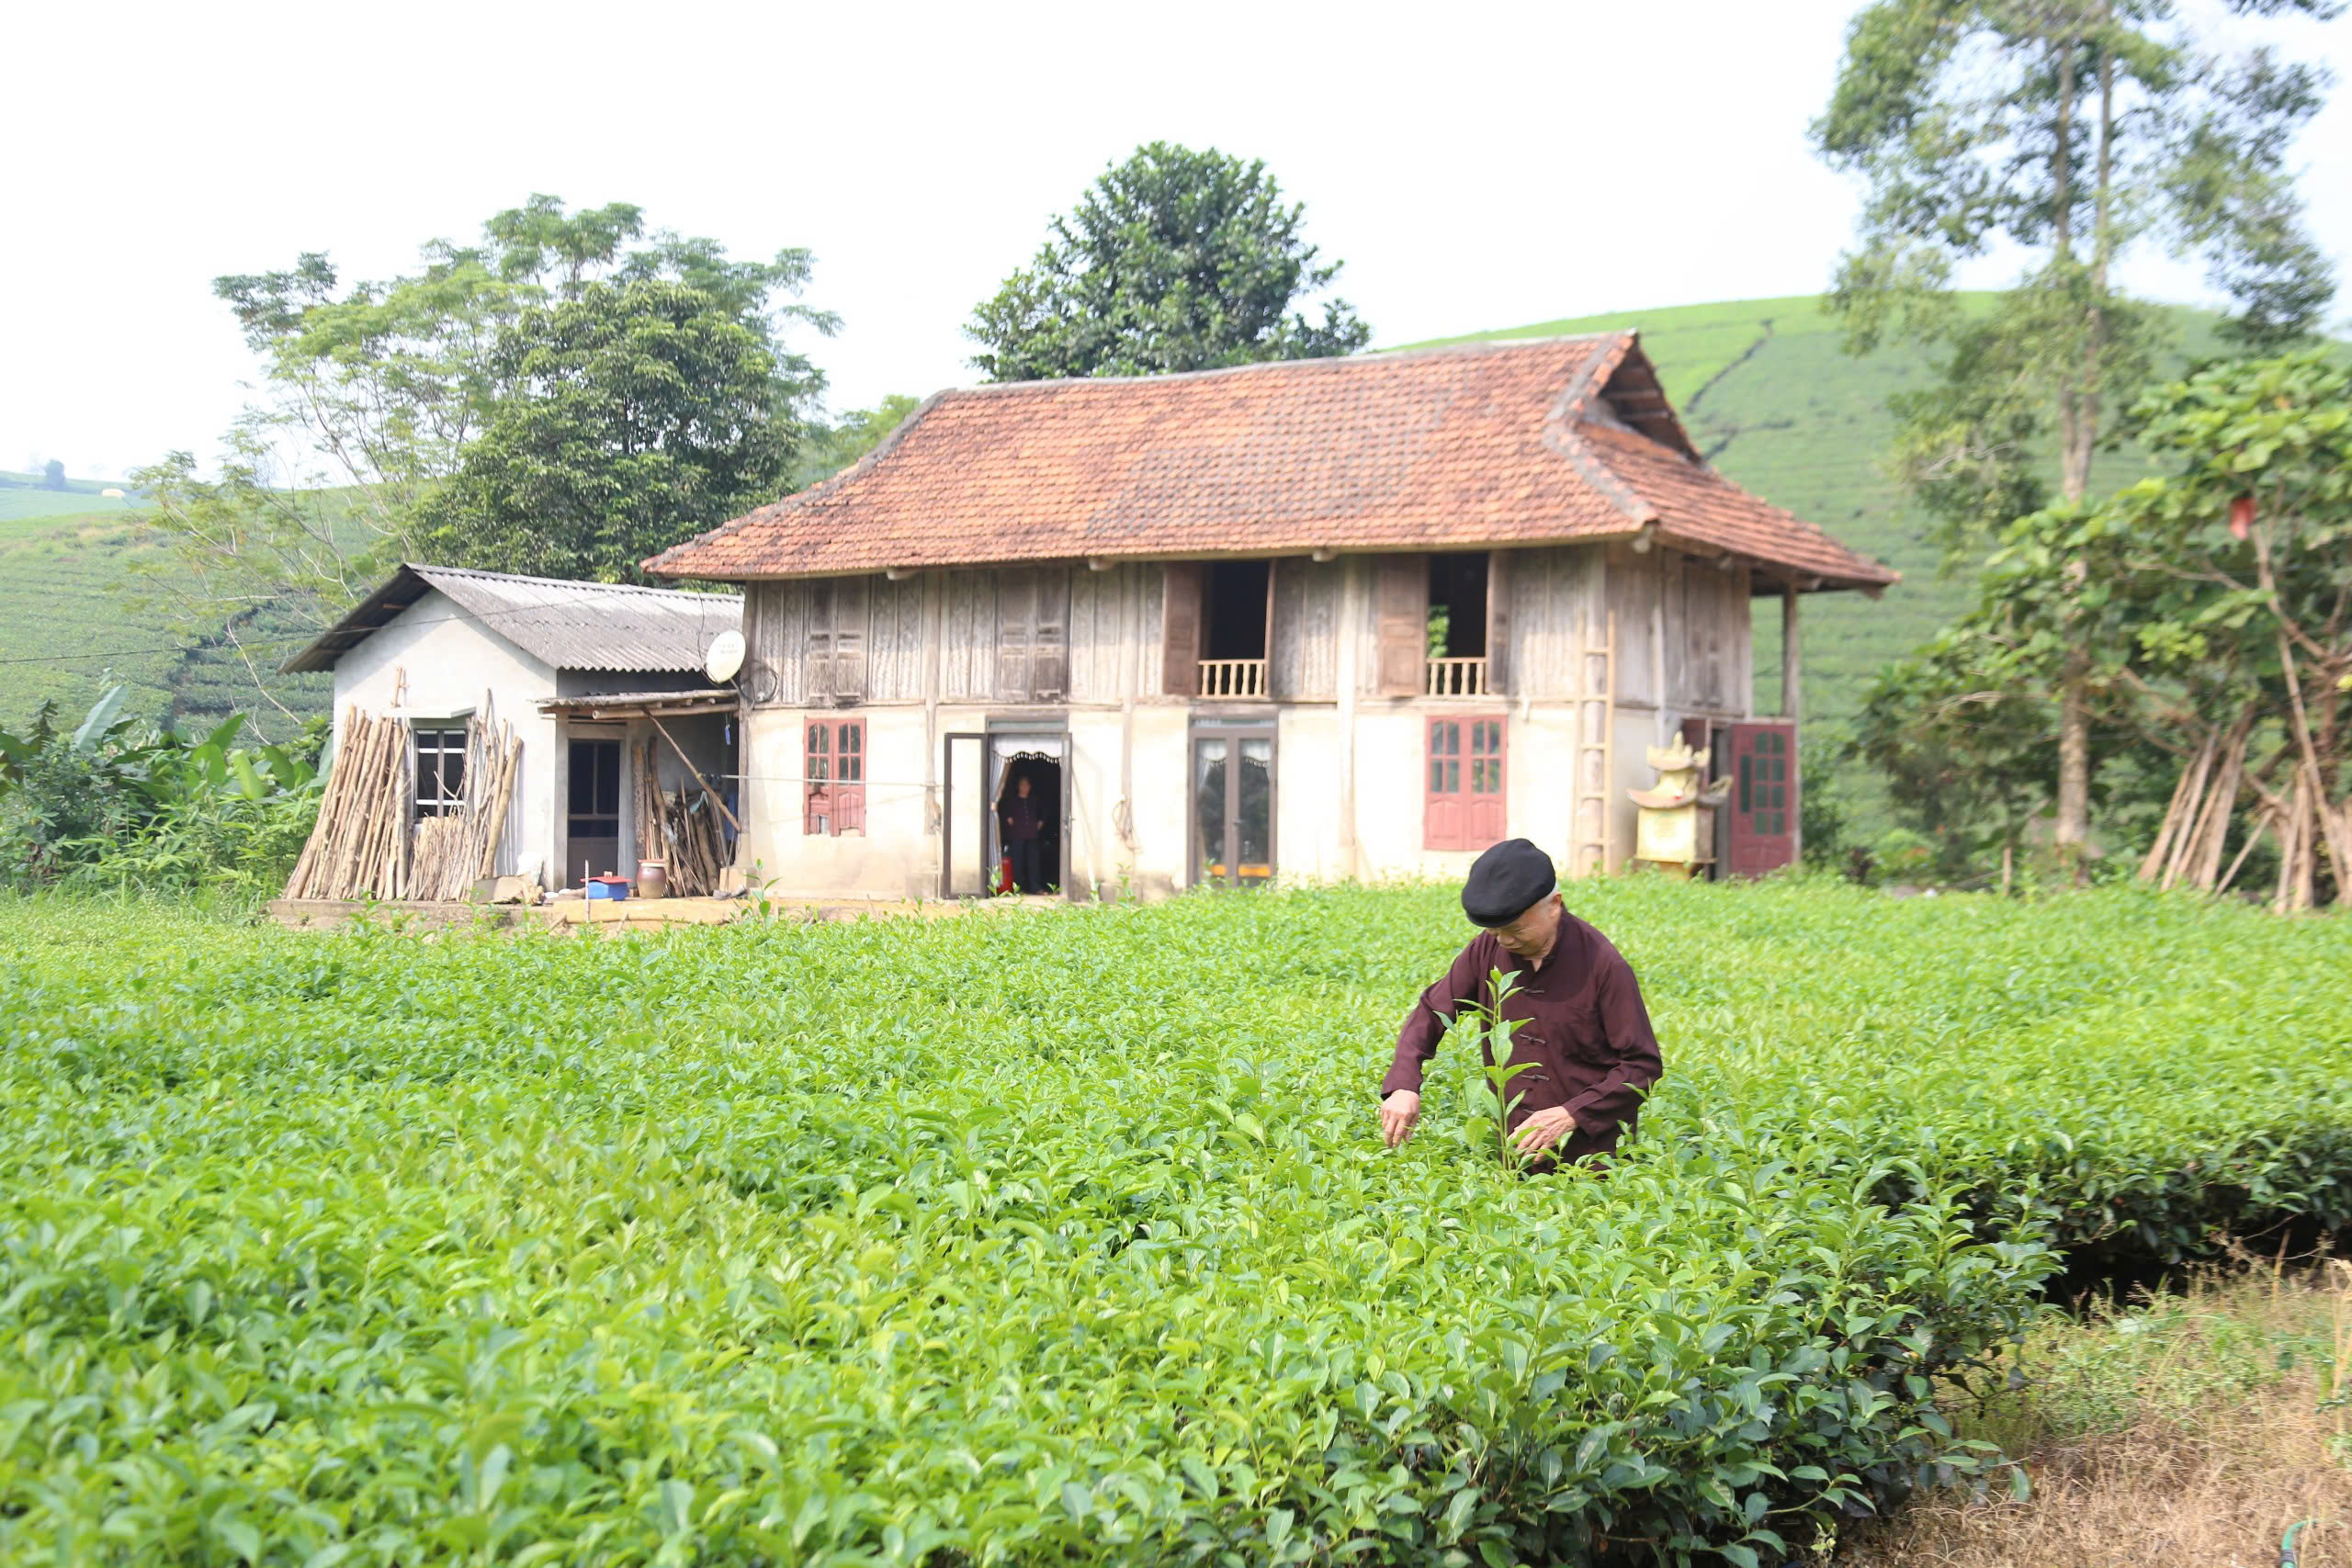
x: 1475, y: 164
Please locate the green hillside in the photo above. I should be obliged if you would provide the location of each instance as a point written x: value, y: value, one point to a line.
x: 24, y: 496
x: 1779, y: 407
x: 76, y: 614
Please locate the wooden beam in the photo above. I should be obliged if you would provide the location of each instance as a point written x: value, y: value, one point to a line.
x: 716, y: 798
x: 1791, y: 656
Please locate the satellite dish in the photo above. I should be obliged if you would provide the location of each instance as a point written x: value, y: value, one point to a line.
x: 725, y: 658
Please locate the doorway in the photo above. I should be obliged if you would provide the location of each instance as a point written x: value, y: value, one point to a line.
x: 592, y: 822
x: 1030, y: 862
x: 1232, y: 806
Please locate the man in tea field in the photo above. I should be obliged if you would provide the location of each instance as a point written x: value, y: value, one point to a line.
x: 1581, y: 1022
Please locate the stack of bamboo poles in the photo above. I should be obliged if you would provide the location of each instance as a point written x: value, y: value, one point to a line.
x: 681, y: 830
x: 2188, y: 848
x: 2187, y: 851
x: 457, y: 849
x: 360, y: 842
x: 363, y: 845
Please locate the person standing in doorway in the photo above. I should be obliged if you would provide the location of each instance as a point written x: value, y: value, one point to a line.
x: 1023, y: 827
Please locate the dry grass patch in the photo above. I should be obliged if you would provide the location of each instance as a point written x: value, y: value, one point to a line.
x: 2193, y: 1430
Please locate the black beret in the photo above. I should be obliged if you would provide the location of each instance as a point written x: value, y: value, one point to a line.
x: 1505, y: 882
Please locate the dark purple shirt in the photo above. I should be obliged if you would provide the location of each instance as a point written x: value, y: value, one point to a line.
x: 1021, y: 819
x: 1585, y: 1031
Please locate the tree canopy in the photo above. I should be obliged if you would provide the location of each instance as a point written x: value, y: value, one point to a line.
x: 2206, y: 611
x: 554, y: 362
x: 1175, y: 260
x: 2074, y: 130
x: 635, y: 414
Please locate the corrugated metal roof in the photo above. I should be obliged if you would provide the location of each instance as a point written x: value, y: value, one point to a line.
x: 571, y: 626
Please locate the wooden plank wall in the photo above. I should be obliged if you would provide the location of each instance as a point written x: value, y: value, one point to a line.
x: 1555, y: 591
x: 1708, y: 657
x: 1305, y: 656
x: 894, y: 640
x: 775, y: 635
x: 1632, y: 597
x: 967, y: 633
x: 1102, y: 611
x: 1558, y: 596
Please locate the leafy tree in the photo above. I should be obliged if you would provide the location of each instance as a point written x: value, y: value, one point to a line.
x: 831, y: 448
x: 375, y: 393
x: 53, y: 475
x: 2074, y: 130
x: 638, y: 414
x: 2187, y: 603
x: 2243, y: 563
x: 1175, y: 260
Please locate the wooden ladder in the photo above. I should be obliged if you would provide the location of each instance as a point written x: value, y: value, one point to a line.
x: 1596, y: 756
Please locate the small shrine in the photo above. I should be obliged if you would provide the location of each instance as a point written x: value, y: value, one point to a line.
x: 1675, y: 830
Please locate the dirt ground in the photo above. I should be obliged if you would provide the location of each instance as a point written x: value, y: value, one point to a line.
x: 2194, y: 1430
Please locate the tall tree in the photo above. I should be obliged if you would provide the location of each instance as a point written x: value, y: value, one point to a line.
x: 1175, y: 260
x: 2073, y: 129
x: 831, y: 448
x: 375, y: 393
x: 53, y: 474
x: 639, y: 412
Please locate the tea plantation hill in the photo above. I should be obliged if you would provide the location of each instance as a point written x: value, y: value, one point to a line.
x: 1777, y: 406
x: 75, y: 616
x: 1769, y: 396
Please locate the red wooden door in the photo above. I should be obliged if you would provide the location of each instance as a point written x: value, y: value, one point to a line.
x: 1441, y: 811
x: 1763, y: 771
x: 1463, y: 805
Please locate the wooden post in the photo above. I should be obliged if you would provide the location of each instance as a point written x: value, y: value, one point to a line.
x: 691, y: 774
x: 1791, y: 656
x: 1792, y: 701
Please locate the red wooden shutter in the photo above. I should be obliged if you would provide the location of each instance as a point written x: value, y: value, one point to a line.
x: 1483, y: 813
x: 1180, y: 629
x: 1401, y: 623
x: 817, y: 814
x: 1441, y: 819
x: 1764, y: 797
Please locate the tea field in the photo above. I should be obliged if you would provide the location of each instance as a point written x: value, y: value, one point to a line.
x: 1069, y: 1236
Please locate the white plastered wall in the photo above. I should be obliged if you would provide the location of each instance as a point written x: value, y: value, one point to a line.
x: 450, y: 661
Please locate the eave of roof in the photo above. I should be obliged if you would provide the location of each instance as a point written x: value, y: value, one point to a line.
x: 610, y: 627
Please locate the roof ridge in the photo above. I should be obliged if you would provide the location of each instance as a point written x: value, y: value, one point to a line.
x: 1560, y: 429
x: 427, y: 571
x: 1369, y: 356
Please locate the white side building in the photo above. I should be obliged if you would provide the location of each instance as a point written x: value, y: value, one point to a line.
x: 584, y: 671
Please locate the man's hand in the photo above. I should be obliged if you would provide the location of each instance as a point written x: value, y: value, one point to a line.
x: 1398, y: 1114
x: 1543, y: 1129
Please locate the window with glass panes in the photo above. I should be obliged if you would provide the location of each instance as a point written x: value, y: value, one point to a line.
x: 440, y: 769
x: 834, y: 769
x: 1764, y: 783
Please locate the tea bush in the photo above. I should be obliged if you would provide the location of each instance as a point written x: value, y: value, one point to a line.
x: 1069, y: 1238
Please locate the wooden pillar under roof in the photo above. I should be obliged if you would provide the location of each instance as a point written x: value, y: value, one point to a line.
x: 1792, y: 655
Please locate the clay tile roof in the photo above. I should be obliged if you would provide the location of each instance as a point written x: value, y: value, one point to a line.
x: 1490, y: 445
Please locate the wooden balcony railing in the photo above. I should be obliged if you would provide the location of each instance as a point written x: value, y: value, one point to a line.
x: 1455, y: 678
x: 1233, y: 678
